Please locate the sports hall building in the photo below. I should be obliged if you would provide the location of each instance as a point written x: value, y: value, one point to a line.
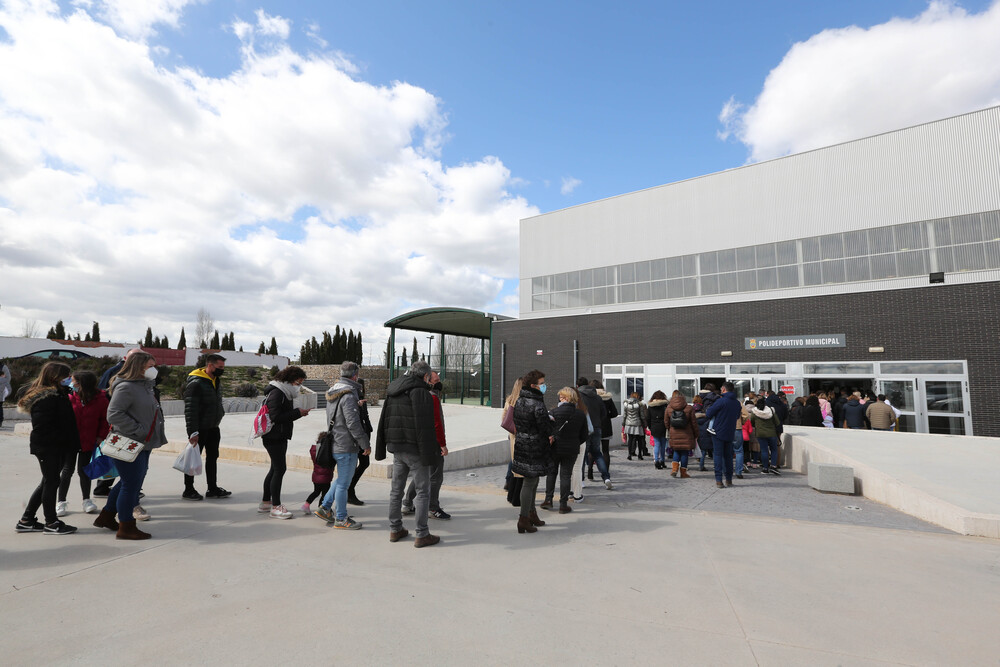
x: 872, y: 264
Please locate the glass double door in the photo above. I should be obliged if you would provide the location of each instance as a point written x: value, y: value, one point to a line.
x: 929, y: 405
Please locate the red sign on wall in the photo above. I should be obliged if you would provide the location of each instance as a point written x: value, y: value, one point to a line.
x: 787, y: 389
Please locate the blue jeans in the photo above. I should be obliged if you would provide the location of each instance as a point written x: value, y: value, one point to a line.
x: 768, y: 452
x: 659, y: 446
x: 595, y: 454
x: 738, y: 449
x: 681, y: 457
x: 722, y: 455
x: 346, y: 463
x: 124, y: 495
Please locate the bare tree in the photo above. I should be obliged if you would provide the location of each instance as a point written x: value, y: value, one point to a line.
x: 455, y: 346
x: 206, y: 325
x: 29, y: 329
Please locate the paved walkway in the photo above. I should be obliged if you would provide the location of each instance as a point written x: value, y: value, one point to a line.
x: 628, y: 578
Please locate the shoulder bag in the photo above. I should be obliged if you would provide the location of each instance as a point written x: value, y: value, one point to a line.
x: 119, y: 447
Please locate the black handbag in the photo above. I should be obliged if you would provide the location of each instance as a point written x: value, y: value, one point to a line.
x: 324, y: 452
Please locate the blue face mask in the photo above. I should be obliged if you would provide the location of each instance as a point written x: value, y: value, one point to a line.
x: 541, y: 387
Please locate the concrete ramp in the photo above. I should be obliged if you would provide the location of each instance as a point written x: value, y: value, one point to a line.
x: 946, y: 480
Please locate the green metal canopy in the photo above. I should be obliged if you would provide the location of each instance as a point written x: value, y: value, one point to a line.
x: 448, y: 321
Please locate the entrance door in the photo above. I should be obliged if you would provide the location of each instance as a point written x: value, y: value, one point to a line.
x: 741, y: 386
x: 902, y: 395
x: 947, y: 403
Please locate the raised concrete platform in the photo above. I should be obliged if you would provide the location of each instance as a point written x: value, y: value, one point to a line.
x: 946, y: 480
x: 831, y: 477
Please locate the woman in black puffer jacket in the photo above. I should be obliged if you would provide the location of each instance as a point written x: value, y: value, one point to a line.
x: 570, y: 426
x: 532, y: 446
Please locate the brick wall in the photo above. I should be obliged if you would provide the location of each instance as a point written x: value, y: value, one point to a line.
x: 933, y: 322
x: 376, y: 377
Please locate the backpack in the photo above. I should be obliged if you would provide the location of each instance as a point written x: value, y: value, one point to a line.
x: 262, y: 423
x: 678, y: 419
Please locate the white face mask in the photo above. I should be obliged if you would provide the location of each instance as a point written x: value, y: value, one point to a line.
x: 151, y: 373
x: 295, y: 389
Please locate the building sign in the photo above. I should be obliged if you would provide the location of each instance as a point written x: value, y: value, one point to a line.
x: 787, y: 389
x: 793, y: 342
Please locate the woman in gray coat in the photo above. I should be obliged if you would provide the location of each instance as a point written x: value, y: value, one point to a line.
x: 134, y: 413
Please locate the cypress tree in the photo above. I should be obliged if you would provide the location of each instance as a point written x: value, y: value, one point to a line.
x: 148, y: 341
x: 95, y: 333
x: 215, y: 341
x: 274, y: 347
x: 261, y: 350
x: 182, y: 342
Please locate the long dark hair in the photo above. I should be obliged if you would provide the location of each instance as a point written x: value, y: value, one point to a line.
x: 53, y: 373
x: 88, y: 385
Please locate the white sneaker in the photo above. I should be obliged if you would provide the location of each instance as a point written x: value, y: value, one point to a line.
x: 280, y: 512
x: 89, y: 507
x: 578, y: 499
x: 607, y: 484
x: 264, y: 507
x: 61, y: 508
x: 583, y: 484
x: 139, y: 514
x: 306, y: 509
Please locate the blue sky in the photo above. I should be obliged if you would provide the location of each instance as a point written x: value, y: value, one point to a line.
x: 399, y: 143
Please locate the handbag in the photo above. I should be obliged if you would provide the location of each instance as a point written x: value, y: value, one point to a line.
x: 117, y: 446
x: 100, y: 466
x: 324, y: 452
x: 507, y: 421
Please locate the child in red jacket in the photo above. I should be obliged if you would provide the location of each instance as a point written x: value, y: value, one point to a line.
x: 321, y: 477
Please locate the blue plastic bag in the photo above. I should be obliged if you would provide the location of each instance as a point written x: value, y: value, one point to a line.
x: 100, y: 466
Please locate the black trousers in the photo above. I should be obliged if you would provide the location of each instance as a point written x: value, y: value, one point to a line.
x: 44, y: 495
x: 74, y: 461
x: 276, y: 450
x: 564, y: 465
x: 208, y: 442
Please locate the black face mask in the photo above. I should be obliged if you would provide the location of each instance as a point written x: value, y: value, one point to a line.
x: 218, y: 372
x: 437, y: 386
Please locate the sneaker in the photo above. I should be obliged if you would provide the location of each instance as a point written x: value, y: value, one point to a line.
x: 440, y: 514
x: 408, y: 510
x: 426, y: 541
x: 347, y: 524
x: 33, y: 526
x: 765, y: 471
x: 306, y: 509
x: 711, y: 431
x: 729, y: 482
x: 607, y: 484
x: 775, y: 471
x: 720, y: 485
x: 578, y: 499
x: 280, y: 512
x: 739, y: 476
x: 397, y: 535
x: 583, y: 484
x: 61, y: 508
x: 325, y: 513
x: 191, y: 494
x: 218, y: 493
x: 58, y: 528
x: 264, y: 507
x: 89, y: 506
x: 354, y: 500
x: 102, y: 489
x: 141, y: 494
x: 139, y: 514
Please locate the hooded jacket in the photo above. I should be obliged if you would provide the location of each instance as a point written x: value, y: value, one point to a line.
x: 656, y: 417
x: 349, y: 434
x: 764, y: 422
x: 681, y: 439
x: 202, y: 402
x: 611, y: 411
x: 279, y: 400
x: 812, y: 415
x: 135, y: 413
x: 407, y: 421
x: 635, y: 422
x: 91, y: 419
x: 726, y: 412
x: 777, y: 407
x: 595, y: 408
x: 532, y: 453
x: 570, y: 428
x: 53, y: 424
x: 854, y: 413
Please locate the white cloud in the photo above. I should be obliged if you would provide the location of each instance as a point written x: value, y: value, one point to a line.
x: 847, y: 83
x: 285, y: 198
x: 568, y: 185
x: 136, y: 18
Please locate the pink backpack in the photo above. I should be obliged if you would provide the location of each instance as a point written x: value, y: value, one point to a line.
x: 262, y: 423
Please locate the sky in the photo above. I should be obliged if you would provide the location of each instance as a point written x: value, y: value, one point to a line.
x: 292, y: 166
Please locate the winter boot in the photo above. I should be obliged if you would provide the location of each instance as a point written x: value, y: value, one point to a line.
x: 673, y: 468
x: 684, y: 474
x: 524, y: 525
x: 128, y: 531
x: 106, y: 519
x: 535, y: 521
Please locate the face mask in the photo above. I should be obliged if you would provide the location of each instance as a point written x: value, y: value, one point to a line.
x: 66, y: 382
x: 295, y: 389
x: 542, y: 387
x: 151, y: 373
x: 218, y: 372
x: 437, y: 386
x: 75, y: 389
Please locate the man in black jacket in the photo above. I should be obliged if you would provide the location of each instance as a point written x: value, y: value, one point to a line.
x: 203, y: 413
x: 406, y: 428
x: 597, y: 412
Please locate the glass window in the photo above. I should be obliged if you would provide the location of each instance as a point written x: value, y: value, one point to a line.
x: 711, y: 369
x: 559, y: 282
x: 883, y: 266
x: 970, y: 257
x: 658, y: 291
x: 690, y: 286
x: 833, y: 271
x: 787, y: 253
x: 600, y: 296
x: 675, y: 267
x: 612, y: 293
x: 560, y: 299
x: 573, y: 280
x: 612, y: 370
x: 586, y: 297
x: 922, y: 368
x: 855, y: 243
x: 743, y: 369
x: 540, y: 285
x: 771, y: 368
x: 626, y: 293
x: 575, y: 300
x: 747, y: 280
x: 613, y: 278
x: 944, y: 396
x: 991, y: 225
x: 635, y: 370
x: 745, y: 258
x: 810, y: 250
x: 727, y: 260
x: 907, y: 423
x: 812, y: 273
x: 838, y: 369
x: 966, y: 229
x: 728, y: 283
x: 945, y: 259
x: 946, y: 425
x: 881, y: 240
x: 899, y: 393
x: 658, y: 269
x: 767, y: 279
x: 911, y: 263
x: 708, y: 262
x: 587, y: 278
x: 710, y: 284
x: 992, y: 254
x: 540, y: 302
x: 832, y: 246
x: 688, y: 388
x: 600, y: 277
x: 675, y: 289
x: 910, y: 236
x: 765, y: 255
x: 942, y: 232
x: 690, y: 265
x: 788, y: 276
x: 642, y: 292
x: 642, y: 272
x: 857, y: 269
x: 626, y: 273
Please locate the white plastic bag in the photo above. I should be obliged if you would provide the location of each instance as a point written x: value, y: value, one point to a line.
x: 696, y: 452
x: 189, y: 460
